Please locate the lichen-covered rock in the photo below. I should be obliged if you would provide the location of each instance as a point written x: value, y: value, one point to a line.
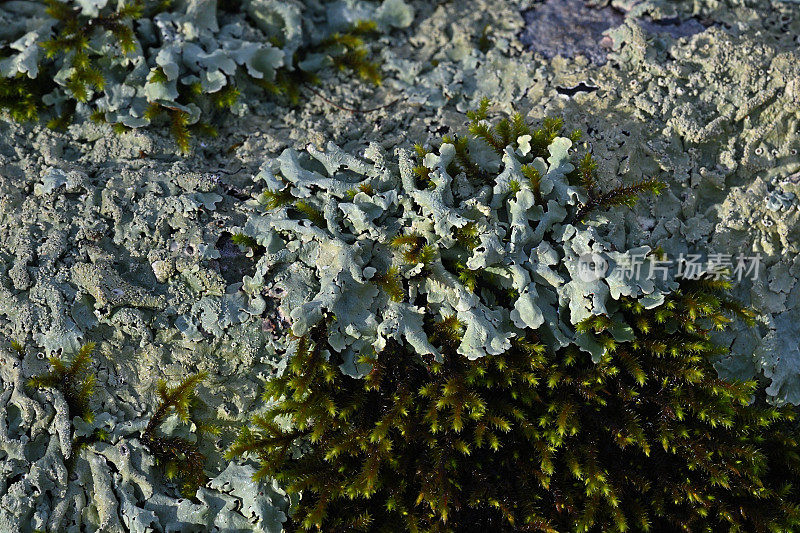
x: 137, y: 255
x: 109, y: 290
x: 79, y: 267
x: 110, y: 484
x: 724, y: 104
x: 129, y: 63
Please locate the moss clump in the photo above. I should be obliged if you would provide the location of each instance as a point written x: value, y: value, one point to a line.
x: 181, y: 459
x: 20, y: 97
x: 73, y: 378
x: 648, y: 439
x: 585, y: 174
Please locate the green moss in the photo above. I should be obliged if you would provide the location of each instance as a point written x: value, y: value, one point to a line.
x: 648, y: 438
x: 179, y: 127
x: 244, y: 241
x: 485, y: 41
x: 20, y: 97
x: 73, y: 378
x: 276, y: 199
x: 348, y: 52
x: 180, y: 459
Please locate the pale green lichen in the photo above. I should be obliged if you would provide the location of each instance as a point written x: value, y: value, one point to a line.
x: 134, y: 63
x: 724, y: 104
x: 526, y: 240
x: 60, y: 476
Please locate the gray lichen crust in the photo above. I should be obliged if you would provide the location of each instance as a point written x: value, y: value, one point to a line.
x: 714, y: 114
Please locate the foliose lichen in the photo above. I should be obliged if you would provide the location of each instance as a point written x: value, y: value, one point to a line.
x: 482, y: 227
x: 133, y: 63
x: 87, y: 466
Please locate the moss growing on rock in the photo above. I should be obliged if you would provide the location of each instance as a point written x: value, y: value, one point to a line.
x: 180, y: 458
x: 73, y: 378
